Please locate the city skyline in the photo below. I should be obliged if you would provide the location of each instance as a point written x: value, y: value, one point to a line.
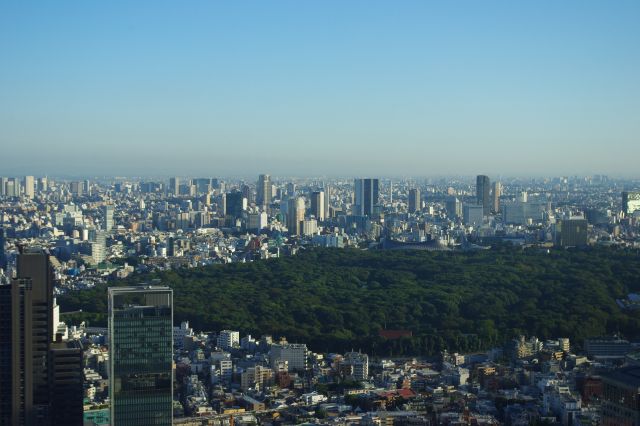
x: 473, y: 286
x: 406, y: 89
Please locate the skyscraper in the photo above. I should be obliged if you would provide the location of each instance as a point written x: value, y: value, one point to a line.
x: 472, y: 214
x: 318, y: 205
x: 141, y: 355
x: 454, y: 207
x: 327, y: 201
x: 6, y: 361
x: 234, y: 204
x: 414, y: 200
x: 295, y: 215
x: 496, y: 192
x: 366, y: 196
x: 12, y: 188
x: 291, y: 189
x: 483, y: 193
x: 203, y: 185
x: 29, y: 187
x: 66, y: 382
x: 26, y: 311
x: 43, y: 184
x: 174, y: 185
x: 99, y: 248
x: 3, y: 258
x: 77, y: 189
x: 263, y: 198
x: 107, y: 211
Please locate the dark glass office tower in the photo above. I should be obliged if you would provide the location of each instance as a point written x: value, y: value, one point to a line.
x: 35, y: 268
x: 140, y: 359
x: 483, y: 193
x: 65, y: 381
x: 26, y: 314
x: 414, y: 200
x: 6, y: 411
x: 234, y: 204
x: 2, y: 255
x: 366, y: 196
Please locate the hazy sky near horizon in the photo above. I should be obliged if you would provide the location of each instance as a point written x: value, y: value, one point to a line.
x: 326, y: 87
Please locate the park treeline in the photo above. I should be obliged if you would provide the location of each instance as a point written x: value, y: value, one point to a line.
x: 339, y: 299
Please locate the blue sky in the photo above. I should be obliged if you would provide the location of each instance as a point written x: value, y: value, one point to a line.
x: 346, y: 87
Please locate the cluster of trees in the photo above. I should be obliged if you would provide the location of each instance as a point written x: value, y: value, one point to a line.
x: 335, y: 300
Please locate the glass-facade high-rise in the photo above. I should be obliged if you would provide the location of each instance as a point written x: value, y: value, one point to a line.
x: 141, y: 355
x: 366, y: 196
x: 483, y: 193
x: 264, y: 191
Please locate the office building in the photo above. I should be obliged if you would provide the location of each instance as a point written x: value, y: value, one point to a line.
x: 29, y: 187
x: 327, y: 201
x: 12, y: 188
x: 43, y: 184
x: 77, y: 189
x: 483, y: 193
x: 3, y: 185
x: 25, y: 338
x: 414, y: 200
x: 141, y: 355
x: 248, y: 194
x: 263, y: 191
x: 454, y: 207
x: 107, y: 212
x: 295, y: 215
x: 472, y: 214
x: 607, y: 348
x: 99, y: 248
x: 203, y: 185
x: 309, y: 227
x: 174, y: 186
x: 621, y: 396
x: 3, y: 257
x: 366, y: 196
x: 496, y: 193
x: 521, y: 213
x: 66, y: 382
x: 257, y: 221
x: 630, y: 202
x: 6, y: 360
x: 235, y: 204
x: 318, y: 205
x: 571, y: 233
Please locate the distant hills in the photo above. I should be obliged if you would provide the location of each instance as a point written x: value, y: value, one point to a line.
x: 335, y: 300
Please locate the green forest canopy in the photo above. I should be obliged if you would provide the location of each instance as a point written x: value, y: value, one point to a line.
x: 335, y: 299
